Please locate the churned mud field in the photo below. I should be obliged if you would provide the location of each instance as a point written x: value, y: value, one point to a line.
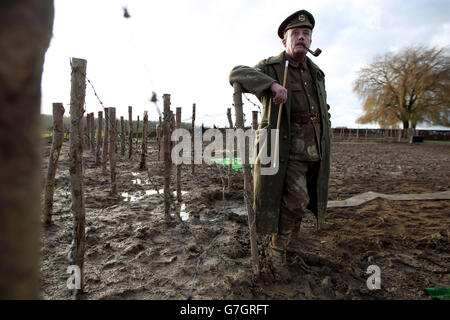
x: 132, y: 254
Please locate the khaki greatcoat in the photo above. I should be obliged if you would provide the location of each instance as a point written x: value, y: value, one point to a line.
x: 268, y: 189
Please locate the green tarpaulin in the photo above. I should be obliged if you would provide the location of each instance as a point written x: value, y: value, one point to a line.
x: 439, y: 293
x: 236, y: 165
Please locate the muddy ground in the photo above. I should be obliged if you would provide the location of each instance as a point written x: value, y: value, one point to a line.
x: 132, y: 254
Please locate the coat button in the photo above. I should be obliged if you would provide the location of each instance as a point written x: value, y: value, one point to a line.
x: 285, y: 137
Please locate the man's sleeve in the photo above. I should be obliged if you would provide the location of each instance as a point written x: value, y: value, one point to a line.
x: 252, y: 79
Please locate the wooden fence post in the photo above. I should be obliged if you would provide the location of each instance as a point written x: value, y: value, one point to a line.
x: 77, y: 96
x: 122, y: 136
x: 92, y: 134
x: 130, y: 131
x: 105, y: 142
x: 230, y: 121
x: 254, y: 127
x: 167, y: 164
x: 99, y: 137
x: 248, y: 191
x: 142, y: 164
x: 192, y: 137
x: 87, y: 132
x: 112, y: 148
x: 137, y: 132
x: 116, y: 132
x: 58, y: 113
x: 172, y: 127
x: 231, y: 157
x: 159, y: 135
x: 255, y: 120
x: 25, y: 32
x: 179, y: 199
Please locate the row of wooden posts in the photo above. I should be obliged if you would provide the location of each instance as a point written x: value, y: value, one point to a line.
x: 398, y: 134
x: 104, y: 148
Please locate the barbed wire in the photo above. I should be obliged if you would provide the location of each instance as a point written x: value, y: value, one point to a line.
x: 209, y: 116
x: 112, y: 126
x: 206, y: 251
x: 212, y: 245
x: 259, y: 108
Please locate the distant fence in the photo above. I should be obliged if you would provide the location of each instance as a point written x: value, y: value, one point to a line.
x: 388, y: 134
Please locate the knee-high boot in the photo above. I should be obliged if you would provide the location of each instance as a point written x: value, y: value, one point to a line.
x: 277, y: 252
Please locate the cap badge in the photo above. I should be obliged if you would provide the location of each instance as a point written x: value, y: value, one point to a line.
x: 301, y: 18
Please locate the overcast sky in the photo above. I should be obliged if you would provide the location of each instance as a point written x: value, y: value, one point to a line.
x: 187, y: 49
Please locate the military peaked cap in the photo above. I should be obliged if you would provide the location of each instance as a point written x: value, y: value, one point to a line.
x: 298, y: 19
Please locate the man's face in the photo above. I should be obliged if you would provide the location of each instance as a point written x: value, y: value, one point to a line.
x: 295, y: 41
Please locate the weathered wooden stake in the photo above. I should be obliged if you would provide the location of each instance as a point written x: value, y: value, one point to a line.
x: 192, y: 137
x: 77, y: 96
x: 230, y: 121
x: 116, y: 131
x: 92, y: 134
x: 179, y: 199
x: 255, y: 120
x: 130, y: 131
x: 142, y: 164
x: 99, y: 137
x: 105, y: 142
x: 230, y: 158
x: 137, y: 132
x: 25, y: 33
x: 112, y: 148
x: 87, y: 132
x: 58, y: 113
x: 158, y: 137
x: 172, y: 126
x: 122, y: 136
x: 254, y: 127
x: 248, y: 191
x: 167, y: 165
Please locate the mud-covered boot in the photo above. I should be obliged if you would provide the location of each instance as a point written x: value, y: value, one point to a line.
x: 278, y: 264
x: 293, y: 245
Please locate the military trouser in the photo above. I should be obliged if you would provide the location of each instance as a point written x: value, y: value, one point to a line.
x: 295, y: 200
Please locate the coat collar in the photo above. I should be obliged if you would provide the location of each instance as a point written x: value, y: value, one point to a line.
x: 281, y: 58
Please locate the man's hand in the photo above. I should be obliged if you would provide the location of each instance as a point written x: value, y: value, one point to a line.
x: 280, y: 93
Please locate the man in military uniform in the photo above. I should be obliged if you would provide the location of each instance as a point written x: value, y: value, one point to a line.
x: 300, y: 184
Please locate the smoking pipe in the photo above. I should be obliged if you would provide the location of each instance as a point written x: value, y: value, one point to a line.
x: 314, y: 53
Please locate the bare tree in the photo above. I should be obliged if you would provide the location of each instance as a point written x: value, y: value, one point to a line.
x: 410, y: 87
